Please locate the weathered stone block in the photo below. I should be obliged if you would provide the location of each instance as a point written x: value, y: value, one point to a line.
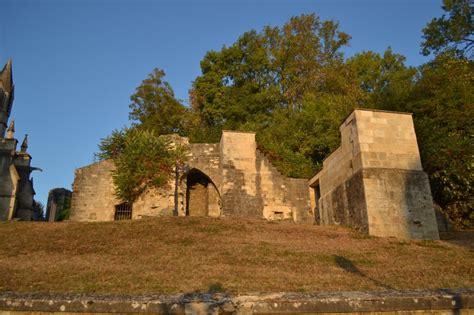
x: 379, y: 187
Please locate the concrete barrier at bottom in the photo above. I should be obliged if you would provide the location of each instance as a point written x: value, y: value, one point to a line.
x: 442, y: 301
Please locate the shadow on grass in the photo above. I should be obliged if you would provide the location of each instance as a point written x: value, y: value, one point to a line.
x: 460, y: 238
x: 216, y: 288
x: 349, y: 266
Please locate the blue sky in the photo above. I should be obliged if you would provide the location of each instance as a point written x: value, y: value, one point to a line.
x: 76, y: 63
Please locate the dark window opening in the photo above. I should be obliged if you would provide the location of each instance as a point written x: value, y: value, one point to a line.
x: 123, y: 211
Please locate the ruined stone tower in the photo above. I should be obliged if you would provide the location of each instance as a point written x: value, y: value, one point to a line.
x: 374, y: 181
x: 16, y: 186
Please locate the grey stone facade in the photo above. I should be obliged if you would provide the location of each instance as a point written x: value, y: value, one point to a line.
x: 16, y: 186
x: 59, y: 201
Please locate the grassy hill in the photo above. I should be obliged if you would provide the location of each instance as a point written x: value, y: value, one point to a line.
x: 183, y: 254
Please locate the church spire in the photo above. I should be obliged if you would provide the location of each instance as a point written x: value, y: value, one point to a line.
x: 11, y: 130
x: 24, y: 144
x: 6, y: 77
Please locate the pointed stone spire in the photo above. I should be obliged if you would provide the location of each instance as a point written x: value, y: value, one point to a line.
x: 24, y: 144
x: 11, y: 130
x: 6, y: 77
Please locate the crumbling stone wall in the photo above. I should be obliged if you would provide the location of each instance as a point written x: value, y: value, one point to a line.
x: 230, y: 178
x: 93, y: 197
x: 252, y: 187
x: 155, y: 202
x: 205, y: 158
x: 375, y: 181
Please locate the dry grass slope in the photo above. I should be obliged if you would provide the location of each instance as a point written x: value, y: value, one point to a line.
x: 171, y: 255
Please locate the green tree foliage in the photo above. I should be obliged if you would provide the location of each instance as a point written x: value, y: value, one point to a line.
x: 292, y: 86
x: 385, y: 82
x: 143, y: 156
x: 242, y: 85
x: 443, y: 106
x: 38, y: 211
x: 111, y: 146
x: 154, y: 106
x: 267, y: 82
x: 298, y: 141
x: 453, y: 32
x: 64, y: 214
x: 145, y: 160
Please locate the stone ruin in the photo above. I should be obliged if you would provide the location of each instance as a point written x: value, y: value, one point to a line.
x: 374, y: 182
x: 230, y: 178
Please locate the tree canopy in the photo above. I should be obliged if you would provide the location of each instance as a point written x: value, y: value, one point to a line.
x: 143, y: 160
x: 452, y: 32
x: 443, y: 105
x: 242, y: 85
x: 155, y: 107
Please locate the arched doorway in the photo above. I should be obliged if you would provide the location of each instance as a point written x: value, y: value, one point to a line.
x: 202, y: 197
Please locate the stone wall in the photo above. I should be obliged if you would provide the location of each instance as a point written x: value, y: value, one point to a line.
x: 155, y: 202
x: 230, y: 178
x: 374, y: 181
x: 9, y: 179
x: 397, y: 191
x: 399, y: 204
x: 93, y: 197
x: 252, y: 187
x: 59, y: 199
x: 342, y: 199
x: 206, y: 158
x: 432, y: 302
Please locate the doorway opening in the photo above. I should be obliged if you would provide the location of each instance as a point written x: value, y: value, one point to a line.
x: 202, y: 197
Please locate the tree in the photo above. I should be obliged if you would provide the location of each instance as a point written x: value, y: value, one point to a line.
x: 38, y: 211
x: 66, y: 209
x: 242, y: 85
x: 292, y: 86
x: 443, y: 106
x: 384, y: 80
x: 451, y: 33
x: 112, y: 146
x: 155, y: 107
x: 145, y: 160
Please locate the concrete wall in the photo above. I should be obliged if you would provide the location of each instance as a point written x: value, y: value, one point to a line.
x: 374, y: 181
x: 442, y: 301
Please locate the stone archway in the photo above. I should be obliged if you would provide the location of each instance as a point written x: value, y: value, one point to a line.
x: 202, y: 196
